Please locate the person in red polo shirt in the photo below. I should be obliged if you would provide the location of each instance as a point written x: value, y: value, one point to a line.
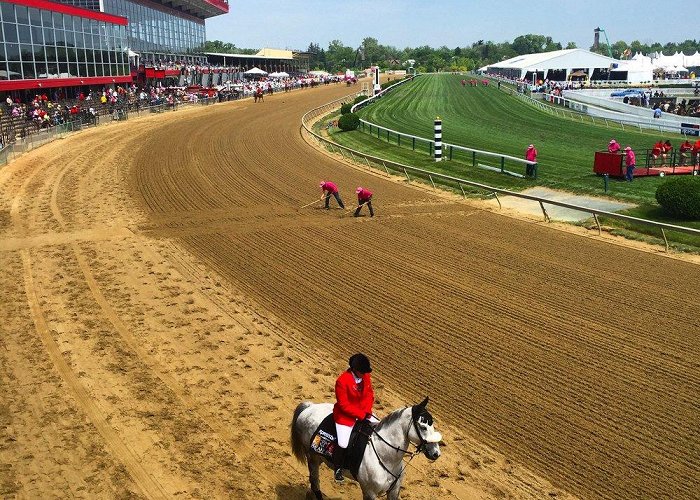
x: 684, y: 150
x: 328, y: 188
x: 354, y: 400
x: 656, y: 151
x: 364, y: 196
x: 696, y: 153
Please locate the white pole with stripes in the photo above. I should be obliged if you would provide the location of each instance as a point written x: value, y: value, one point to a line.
x: 377, y: 86
x: 438, y: 139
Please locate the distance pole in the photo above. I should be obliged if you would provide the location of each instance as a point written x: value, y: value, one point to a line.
x: 438, y: 139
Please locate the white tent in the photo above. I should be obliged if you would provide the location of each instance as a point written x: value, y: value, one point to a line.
x: 255, y: 71
x: 559, y: 65
x: 279, y: 74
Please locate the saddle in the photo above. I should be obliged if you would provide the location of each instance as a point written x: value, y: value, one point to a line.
x: 324, y: 440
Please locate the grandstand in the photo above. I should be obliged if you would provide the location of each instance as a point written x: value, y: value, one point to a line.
x: 75, y: 45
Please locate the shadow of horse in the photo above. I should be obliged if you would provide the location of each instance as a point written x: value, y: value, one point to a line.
x: 295, y: 492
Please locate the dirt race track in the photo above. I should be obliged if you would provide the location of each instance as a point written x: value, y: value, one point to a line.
x: 166, y: 304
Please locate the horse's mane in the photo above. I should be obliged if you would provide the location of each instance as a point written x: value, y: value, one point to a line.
x: 391, y: 417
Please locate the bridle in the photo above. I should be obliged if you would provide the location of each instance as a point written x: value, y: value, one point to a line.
x: 419, y: 449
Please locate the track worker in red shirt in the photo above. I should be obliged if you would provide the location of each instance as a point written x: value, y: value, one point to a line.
x: 328, y: 188
x: 656, y: 151
x: 531, y: 155
x: 695, y: 157
x: 685, y: 148
x: 354, y: 399
x: 364, y: 196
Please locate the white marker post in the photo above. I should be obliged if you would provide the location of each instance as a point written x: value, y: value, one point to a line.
x: 377, y: 87
x: 438, y: 139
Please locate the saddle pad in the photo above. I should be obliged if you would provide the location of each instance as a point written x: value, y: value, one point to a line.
x: 324, y: 439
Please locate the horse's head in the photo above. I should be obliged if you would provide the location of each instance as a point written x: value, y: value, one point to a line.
x: 424, y: 435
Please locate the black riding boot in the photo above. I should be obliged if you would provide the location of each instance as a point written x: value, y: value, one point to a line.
x: 338, y: 462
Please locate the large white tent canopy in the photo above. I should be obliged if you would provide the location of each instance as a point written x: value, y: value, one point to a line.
x: 561, y: 64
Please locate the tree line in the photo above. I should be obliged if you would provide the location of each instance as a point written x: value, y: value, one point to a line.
x: 338, y: 57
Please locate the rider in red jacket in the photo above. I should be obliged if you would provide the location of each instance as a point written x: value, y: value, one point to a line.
x: 354, y: 400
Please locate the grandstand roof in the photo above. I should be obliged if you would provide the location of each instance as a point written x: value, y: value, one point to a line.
x: 202, y: 9
x: 262, y: 54
x: 557, y: 59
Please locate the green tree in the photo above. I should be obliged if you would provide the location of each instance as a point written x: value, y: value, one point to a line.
x: 338, y: 56
x: 372, y: 51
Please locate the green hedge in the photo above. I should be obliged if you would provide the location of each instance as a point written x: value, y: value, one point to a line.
x: 360, y: 98
x: 345, y: 108
x: 680, y: 197
x: 349, y: 121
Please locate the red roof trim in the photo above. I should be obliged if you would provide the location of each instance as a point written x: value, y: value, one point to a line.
x: 47, y: 83
x: 72, y: 11
x: 219, y: 4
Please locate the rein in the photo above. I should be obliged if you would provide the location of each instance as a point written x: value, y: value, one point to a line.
x: 412, y: 454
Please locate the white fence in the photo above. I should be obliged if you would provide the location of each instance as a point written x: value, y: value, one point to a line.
x: 380, y: 164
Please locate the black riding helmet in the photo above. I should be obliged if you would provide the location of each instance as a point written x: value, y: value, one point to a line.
x: 360, y: 363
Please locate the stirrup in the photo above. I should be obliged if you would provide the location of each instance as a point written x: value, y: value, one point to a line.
x: 339, y: 475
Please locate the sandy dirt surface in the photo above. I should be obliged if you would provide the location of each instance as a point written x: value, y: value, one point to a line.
x: 166, y: 304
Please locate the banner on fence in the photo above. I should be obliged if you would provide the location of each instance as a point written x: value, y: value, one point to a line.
x: 690, y: 129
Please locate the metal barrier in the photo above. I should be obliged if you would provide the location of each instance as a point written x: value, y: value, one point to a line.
x: 384, y: 165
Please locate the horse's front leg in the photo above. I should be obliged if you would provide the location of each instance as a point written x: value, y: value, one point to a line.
x: 314, y: 462
x: 395, y: 492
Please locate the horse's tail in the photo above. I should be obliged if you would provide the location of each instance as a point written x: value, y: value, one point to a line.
x: 298, y: 446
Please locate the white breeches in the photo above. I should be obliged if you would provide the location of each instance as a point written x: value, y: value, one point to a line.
x: 343, y: 432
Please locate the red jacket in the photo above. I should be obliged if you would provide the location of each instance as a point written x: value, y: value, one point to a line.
x: 364, y: 196
x: 330, y: 187
x: 353, y: 401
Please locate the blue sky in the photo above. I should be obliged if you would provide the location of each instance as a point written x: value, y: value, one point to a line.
x: 293, y: 24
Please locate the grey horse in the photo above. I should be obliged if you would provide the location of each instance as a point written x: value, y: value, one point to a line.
x: 382, y: 468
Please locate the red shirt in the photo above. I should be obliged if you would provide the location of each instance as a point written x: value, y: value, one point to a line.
x: 353, y: 401
x: 686, y: 146
x: 330, y: 187
x: 668, y: 148
x: 696, y: 146
x: 531, y: 154
x: 658, y: 147
x: 364, y: 195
